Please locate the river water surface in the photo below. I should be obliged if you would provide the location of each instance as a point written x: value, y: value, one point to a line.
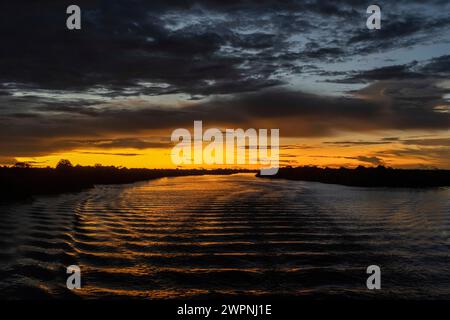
x: 228, y: 235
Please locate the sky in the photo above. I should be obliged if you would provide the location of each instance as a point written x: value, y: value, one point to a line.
x: 113, y: 92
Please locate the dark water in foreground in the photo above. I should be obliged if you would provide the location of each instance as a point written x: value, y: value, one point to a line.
x: 232, y: 235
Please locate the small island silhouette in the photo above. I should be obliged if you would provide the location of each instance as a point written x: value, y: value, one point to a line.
x: 367, y: 177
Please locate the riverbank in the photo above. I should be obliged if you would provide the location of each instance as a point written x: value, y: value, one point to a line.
x: 367, y: 177
x: 22, y: 183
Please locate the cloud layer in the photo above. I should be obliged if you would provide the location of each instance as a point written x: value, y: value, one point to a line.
x: 138, y: 69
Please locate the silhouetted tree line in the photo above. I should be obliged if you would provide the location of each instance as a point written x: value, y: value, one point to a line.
x: 368, y: 177
x: 22, y: 181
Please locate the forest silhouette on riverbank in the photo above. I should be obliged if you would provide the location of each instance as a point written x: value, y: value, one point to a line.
x: 367, y: 177
x: 22, y: 181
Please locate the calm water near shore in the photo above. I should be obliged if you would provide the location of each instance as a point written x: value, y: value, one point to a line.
x: 228, y: 235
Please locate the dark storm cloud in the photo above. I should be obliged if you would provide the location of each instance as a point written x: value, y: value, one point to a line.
x: 424, y: 153
x: 194, y: 47
x: 375, y: 161
x: 123, y: 44
x: 123, y: 154
x: 433, y: 69
x: 355, y: 143
x: 400, y: 27
x: 383, y: 73
x: 444, y: 142
x: 124, y: 143
x: 439, y: 66
x: 295, y: 113
x: 372, y: 160
x: 230, y: 57
x: 413, y: 94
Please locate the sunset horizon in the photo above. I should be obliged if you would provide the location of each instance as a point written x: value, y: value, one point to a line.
x: 334, y: 153
x: 224, y: 159
x: 344, y: 96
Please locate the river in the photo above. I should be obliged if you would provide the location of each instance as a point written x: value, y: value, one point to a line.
x: 232, y: 235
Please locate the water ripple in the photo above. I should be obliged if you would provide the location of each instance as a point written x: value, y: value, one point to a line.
x: 227, y: 235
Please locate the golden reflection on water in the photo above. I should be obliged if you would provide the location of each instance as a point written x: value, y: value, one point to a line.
x: 194, y: 236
